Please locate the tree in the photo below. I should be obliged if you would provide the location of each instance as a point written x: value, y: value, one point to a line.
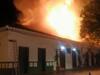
x: 90, y: 23
x: 8, y: 13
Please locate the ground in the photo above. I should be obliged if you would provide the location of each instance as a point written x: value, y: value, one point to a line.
x: 78, y: 72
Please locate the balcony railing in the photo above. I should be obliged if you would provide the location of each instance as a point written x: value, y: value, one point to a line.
x: 35, y: 63
x: 12, y: 68
x: 8, y: 68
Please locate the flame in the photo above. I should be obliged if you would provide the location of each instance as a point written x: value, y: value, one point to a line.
x: 56, y: 17
x: 27, y: 20
x: 63, y: 20
x: 68, y: 2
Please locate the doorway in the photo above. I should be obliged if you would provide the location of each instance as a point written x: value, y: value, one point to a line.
x: 42, y: 59
x: 23, y: 59
x: 74, y: 59
x: 62, y: 59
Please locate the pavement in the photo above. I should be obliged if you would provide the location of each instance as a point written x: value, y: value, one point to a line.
x: 70, y: 73
x: 78, y: 72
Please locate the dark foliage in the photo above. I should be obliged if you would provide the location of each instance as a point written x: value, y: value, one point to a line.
x: 8, y: 13
x: 90, y: 24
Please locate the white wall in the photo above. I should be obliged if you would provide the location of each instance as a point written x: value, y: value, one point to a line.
x: 11, y: 40
x: 3, y: 46
x: 34, y: 41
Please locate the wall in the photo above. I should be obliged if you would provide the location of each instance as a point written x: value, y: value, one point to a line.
x: 34, y: 41
x: 3, y: 46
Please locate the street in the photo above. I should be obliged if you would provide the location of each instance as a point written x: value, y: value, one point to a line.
x: 86, y: 72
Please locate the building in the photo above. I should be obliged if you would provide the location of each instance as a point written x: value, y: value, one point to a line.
x: 36, y: 49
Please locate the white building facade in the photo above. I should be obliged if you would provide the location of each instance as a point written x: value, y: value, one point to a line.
x: 23, y: 45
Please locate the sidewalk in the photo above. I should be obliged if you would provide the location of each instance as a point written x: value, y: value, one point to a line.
x: 80, y: 72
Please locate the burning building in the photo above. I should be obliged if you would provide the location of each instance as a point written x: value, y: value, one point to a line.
x: 24, y: 49
x: 29, y: 48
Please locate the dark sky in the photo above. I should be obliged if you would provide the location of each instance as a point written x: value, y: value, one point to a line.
x: 8, y: 12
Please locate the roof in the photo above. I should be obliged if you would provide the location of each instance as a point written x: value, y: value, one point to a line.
x: 16, y: 26
x: 21, y: 28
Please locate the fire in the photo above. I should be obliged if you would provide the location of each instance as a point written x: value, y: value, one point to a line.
x: 63, y: 20
x: 57, y: 17
x: 68, y: 2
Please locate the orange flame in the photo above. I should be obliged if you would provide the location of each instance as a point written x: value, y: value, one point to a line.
x: 56, y: 17
x: 63, y: 20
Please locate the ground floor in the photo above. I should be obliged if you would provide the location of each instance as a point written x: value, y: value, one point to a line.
x: 82, y: 71
x: 77, y: 61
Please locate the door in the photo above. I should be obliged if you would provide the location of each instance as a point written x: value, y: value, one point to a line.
x: 74, y: 59
x: 23, y: 59
x: 42, y: 59
x: 62, y: 59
